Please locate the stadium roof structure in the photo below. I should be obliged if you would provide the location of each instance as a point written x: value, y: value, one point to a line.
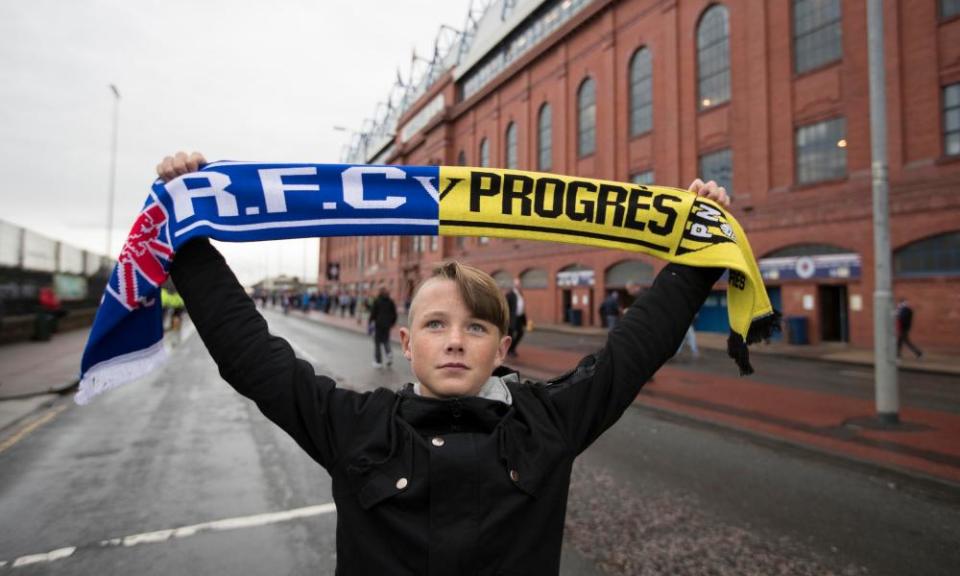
x: 494, y: 34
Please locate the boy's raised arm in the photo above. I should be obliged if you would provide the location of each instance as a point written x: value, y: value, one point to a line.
x: 257, y: 364
x: 593, y: 396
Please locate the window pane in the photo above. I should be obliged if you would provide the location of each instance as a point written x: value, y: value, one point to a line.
x: 643, y: 178
x: 951, y: 94
x: 953, y: 144
x: 821, y: 151
x: 713, y: 58
x: 936, y: 256
x: 949, y: 8
x: 545, y: 139
x: 641, y: 93
x: 817, y: 37
x: 951, y: 120
x: 718, y: 166
x: 462, y: 158
x: 586, y: 118
x: 511, y: 146
x: 484, y: 153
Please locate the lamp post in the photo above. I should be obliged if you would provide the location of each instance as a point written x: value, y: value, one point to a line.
x: 113, y: 166
x: 887, y: 392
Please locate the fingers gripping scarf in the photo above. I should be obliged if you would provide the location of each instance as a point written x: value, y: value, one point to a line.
x: 246, y: 202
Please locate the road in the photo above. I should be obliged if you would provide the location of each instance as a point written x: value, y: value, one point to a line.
x: 101, y: 489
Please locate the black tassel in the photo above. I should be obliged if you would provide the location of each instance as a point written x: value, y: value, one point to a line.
x: 760, y: 329
x: 763, y: 328
x: 737, y: 349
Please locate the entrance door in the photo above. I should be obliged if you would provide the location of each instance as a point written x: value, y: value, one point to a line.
x: 567, y: 300
x: 834, y: 314
x: 713, y: 314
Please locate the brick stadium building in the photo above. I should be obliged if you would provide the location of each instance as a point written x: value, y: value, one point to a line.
x: 768, y: 97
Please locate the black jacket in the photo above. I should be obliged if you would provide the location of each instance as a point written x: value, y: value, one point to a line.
x: 435, y: 487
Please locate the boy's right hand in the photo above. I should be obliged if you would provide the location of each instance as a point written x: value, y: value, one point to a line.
x: 180, y: 164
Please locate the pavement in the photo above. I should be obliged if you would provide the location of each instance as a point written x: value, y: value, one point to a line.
x: 925, y: 445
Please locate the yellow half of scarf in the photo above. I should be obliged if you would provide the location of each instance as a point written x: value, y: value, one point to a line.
x: 668, y: 223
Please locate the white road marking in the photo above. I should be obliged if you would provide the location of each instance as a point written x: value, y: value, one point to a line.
x: 48, y: 557
x: 181, y: 532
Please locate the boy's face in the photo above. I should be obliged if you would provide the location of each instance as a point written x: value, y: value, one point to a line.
x: 451, y: 352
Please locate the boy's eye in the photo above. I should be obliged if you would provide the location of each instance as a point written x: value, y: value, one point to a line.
x: 477, y: 327
x: 433, y: 324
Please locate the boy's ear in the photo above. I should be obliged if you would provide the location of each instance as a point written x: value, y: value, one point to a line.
x: 405, y: 342
x: 502, y: 350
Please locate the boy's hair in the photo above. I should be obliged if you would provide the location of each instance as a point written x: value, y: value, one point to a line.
x: 480, y: 293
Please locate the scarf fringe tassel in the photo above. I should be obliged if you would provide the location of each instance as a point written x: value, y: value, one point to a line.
x: 118, y: 371
x: 760, y: 329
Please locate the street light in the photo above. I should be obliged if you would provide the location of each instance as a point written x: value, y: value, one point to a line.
x: 113, y: 166
x: 886, y: 389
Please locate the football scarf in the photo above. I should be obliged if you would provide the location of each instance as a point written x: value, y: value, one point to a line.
x: 249, y: 202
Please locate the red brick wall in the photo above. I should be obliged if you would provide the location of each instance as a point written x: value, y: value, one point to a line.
x: 768, y: 102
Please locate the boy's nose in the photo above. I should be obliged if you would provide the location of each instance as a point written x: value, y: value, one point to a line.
x: 455, y: 342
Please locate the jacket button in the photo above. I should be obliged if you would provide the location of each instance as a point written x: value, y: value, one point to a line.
x: 437, y: 441
x: 402, y: 483
x: 514, y: 476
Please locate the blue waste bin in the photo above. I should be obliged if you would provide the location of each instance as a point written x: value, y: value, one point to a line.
x: 575, y: 317
x: 797, y: 330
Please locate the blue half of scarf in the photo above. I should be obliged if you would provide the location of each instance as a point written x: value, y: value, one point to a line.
x: 240, y: 202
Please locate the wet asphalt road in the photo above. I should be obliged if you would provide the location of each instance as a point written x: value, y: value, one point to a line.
x: 655, y: 495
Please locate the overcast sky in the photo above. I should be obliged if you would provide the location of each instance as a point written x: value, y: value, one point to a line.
x: 234, y: 79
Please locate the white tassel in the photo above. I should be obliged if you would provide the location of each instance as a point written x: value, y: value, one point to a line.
x: 118, y: 371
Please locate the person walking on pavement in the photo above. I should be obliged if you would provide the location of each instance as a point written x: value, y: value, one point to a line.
x: 467, y: 469
x: 517, y: 309
x: 904, y: 323
x: 610, y: 309
x: 383, y: 316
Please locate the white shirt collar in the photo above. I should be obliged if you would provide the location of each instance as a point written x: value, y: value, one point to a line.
x: 493, y: 389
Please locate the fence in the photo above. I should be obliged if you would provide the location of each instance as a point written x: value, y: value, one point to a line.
x: 30, y: 261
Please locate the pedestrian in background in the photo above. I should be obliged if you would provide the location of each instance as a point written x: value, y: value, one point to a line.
x: 904, y: 323
x: 610, y: 309
x: 517, y: 309
x: 383, y: 316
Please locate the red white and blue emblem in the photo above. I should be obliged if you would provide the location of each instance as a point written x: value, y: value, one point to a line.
x: 140, y: 259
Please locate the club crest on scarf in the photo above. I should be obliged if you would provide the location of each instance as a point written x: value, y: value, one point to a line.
x: 705, y: 226
x: 140, y: 259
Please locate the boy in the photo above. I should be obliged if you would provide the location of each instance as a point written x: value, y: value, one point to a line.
x: 465, y: 471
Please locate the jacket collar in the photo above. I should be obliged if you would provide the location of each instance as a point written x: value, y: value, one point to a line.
x: 479, y: 413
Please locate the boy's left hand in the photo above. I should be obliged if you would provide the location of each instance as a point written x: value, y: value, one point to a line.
x: 711, y: 190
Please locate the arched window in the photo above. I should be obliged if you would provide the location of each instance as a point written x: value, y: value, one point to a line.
x: 484, y: 153
x: 586, y: 118
x: 503, y: 279
x: 545, y: 139
x: 533, y: 278
x: 626, y: 271
x: 713, y: 57
x: 934, y: 256
x: 641, y: 93
x: 462, y: 158
x: 511, y: 149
